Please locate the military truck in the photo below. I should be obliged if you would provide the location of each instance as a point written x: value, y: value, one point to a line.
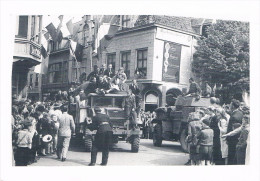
x: 113, y: 106
x: 172, y: 122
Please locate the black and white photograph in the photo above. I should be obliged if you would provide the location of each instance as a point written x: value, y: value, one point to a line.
x: 123, y: 89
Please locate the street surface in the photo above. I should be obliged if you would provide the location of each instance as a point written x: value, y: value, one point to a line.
x: 169, y: 154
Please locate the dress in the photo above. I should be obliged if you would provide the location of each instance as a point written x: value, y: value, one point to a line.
x: 223, y: 123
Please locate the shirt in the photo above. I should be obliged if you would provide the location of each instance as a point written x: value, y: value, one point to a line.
x: 24, y: 139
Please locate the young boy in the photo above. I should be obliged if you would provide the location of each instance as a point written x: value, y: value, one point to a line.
x: 205, y: 142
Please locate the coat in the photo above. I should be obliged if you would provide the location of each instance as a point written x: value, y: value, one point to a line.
x: 109, y: 72
x: 205, y: 136
x: 102, y: 124
x: 235, y: 117
x: 67, y: 125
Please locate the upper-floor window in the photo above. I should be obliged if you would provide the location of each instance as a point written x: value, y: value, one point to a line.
x: 125, y: 21
x: 141, y: 70
x: 33, y: 33
x: 23, y: 26
x: 125, y: 62
x: 111, y: 59
x: 55, y: 73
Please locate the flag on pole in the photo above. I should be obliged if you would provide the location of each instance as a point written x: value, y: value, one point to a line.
x: 52, y: 30
x: 47, y: 36
x: 59, y: 34
x: 70, y: 26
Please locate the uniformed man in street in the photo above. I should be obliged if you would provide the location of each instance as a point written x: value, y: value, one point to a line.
x: 103, y: 137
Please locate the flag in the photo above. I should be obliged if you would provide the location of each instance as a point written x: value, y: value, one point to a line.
x: 43, y: 52
x: 70, y: 26
x: 59, y: 35
x: 102, y: 31
x: 47, y: 36
x: 52, y: 30
x: 76, y: 51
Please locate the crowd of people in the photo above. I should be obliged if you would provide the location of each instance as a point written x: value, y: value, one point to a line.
x: 216, y: 135
x: 37, y: 130
x: 219, y: 135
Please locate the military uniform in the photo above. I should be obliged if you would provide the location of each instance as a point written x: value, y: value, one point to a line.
x: 103, y: 137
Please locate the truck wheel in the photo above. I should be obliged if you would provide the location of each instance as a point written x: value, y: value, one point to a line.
x: 184, y: 144
x: 88, y: 143
x: 157, y: 135
x: 135, y: 144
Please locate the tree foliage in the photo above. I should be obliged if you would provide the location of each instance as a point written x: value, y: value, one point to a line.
x: 222, y: 56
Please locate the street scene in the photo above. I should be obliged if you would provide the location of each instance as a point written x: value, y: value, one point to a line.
x: 110, y: 90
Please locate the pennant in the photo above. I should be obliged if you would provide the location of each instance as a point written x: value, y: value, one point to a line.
x: 52, y: 30
x: 59, y: 33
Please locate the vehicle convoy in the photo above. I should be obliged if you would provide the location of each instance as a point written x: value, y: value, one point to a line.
x: 113, y: 106
x: 171, y: 122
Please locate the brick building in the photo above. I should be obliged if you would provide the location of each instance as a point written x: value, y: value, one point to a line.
x: 160, y: 48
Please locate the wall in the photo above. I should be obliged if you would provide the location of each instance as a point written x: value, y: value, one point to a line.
x: 132, y: 41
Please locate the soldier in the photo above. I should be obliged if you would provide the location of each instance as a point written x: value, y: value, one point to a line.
x: 130, y: 109
x: 194, y: 87
x: 103, y: 137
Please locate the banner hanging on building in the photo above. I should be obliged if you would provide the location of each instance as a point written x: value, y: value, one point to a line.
x: 171, y: 62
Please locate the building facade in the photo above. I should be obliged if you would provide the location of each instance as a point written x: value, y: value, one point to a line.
x: 27, y: 53
x: 158, y: 52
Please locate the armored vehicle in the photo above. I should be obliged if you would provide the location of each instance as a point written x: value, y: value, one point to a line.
x: 172, y: 122
x: 113, y: 106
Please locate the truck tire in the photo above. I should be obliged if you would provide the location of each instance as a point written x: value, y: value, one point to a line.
x: 157, y: 135
x: 88, y: 143
x: 184, y: 144
x: 135, y: 144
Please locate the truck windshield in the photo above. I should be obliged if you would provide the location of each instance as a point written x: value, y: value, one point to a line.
x: 119, y: 102
x: 102, y: 101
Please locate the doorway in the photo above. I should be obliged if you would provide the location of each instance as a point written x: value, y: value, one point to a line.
x: 151, y: 101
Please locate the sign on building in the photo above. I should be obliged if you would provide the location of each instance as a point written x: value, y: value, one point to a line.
x: 171, y: 62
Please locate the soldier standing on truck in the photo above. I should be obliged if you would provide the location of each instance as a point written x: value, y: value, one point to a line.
x: 130, y: 109
x: 194, y: 88
x: 103, y: 137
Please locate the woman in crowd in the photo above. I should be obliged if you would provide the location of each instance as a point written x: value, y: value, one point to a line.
x: 222, y: 125
x: 24, y: 143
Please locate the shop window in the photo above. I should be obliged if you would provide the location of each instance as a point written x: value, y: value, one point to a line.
x: 141, y: 70
x: 125, y: 62
x: 111, y: 59
x: 23, y: 26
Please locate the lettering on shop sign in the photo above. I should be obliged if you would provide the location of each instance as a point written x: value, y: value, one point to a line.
x: 171, y: 62
x: 35, y: 51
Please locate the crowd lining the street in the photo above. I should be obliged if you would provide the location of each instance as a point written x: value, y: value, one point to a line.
x: 216, y: 135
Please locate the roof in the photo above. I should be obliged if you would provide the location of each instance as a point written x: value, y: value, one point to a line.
x: 179, y: 23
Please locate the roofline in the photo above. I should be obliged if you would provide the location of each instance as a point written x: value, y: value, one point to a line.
x: 153, y: 25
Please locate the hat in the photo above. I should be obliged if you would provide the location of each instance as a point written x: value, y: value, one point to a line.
x: 206, y: 121
x: 47, y: 138
x: 97, y: 109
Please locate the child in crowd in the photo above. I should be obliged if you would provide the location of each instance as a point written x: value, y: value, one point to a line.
x: 205, y: 142
x: 24, y: 144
